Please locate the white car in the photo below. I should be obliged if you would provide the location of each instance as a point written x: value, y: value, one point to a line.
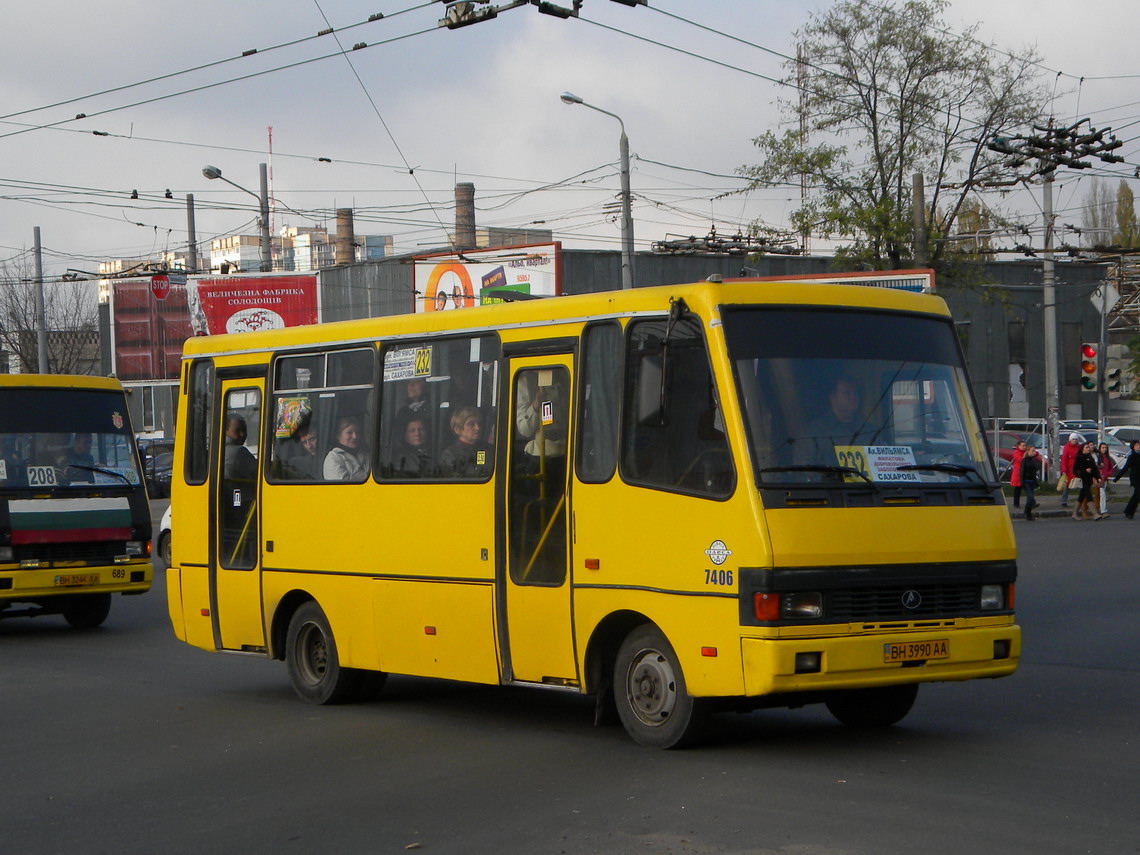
x: 162, y: 542
x: 1125, y: 433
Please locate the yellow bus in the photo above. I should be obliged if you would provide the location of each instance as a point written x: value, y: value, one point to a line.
x: 74, y: 518
x: 674, y: 499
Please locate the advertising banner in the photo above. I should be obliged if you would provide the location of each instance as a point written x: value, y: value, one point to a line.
x: 231, y: 304
x: 478, y: 277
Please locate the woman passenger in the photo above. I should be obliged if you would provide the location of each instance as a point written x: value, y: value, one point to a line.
x: 345, y: 460
x: 468, y: 456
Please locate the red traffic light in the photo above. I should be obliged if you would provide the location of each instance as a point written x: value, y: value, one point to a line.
x: 1088, y: 351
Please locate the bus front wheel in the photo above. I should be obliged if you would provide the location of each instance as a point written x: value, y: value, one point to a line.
x: 311, y: 657
x: 649, y: 690
x: 87, y: 611
x: 878, y: 707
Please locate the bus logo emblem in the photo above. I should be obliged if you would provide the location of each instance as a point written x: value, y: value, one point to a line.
x: 718, y: 553
x: 911, y: 599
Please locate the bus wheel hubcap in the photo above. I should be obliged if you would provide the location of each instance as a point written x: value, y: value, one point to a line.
x: 652, y: 687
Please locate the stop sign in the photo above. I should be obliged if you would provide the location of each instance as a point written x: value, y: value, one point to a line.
x: 160, y: 285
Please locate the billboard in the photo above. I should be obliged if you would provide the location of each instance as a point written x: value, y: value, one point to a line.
x: 478, y: 277
x: 147, y: 333
x: 231, y: 304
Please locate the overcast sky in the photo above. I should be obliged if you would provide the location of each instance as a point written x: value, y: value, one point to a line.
x: 477, y: 104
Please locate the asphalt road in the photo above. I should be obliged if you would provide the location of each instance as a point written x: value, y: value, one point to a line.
x: 123, y: 740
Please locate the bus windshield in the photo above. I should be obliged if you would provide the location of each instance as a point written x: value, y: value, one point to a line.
x: 65, y: 439
x: 836, y: 397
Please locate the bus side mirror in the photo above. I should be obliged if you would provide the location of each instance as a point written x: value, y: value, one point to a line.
x: 650, y: 375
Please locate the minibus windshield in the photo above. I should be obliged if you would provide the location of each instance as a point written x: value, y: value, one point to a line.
x: 837, y: 397
x: 65, y: 439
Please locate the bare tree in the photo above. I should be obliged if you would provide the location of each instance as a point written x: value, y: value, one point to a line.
x: 71, y: 318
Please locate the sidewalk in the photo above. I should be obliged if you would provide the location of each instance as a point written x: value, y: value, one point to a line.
x: 1049, y: 504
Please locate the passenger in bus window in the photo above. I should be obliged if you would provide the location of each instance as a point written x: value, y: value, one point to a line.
x: 240, y: 464
x: 468, y: 456
x: 412, y: 457
x: 345, y: 460
x: 302, y: 464
x: 843, y: 423
x: 77, y: 460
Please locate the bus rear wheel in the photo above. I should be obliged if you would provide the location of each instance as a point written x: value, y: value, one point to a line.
x: 878, y: 707
x: 312, y: 661
x: 87, y: 611
x: 649, y: 690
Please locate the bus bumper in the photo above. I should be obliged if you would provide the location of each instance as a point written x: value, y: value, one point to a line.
x: 23, y: 585
x: 770, y: 664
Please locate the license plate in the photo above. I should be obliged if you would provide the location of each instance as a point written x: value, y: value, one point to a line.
x: 913, y: 651
x: 78, y: 579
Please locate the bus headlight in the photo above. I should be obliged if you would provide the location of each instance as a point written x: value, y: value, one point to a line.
x: 6, y: 554
x: 136, y: 547
x: 808, y: 605
x: 993, y: 597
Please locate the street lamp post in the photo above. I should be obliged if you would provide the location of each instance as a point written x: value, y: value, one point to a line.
x: 213, y: 172
x: 626, y: 213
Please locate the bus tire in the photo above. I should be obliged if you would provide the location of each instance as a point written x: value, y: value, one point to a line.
x: 652, y: 700
x: 312, y: 661
x: 87, y: 611
x: 881, y: 706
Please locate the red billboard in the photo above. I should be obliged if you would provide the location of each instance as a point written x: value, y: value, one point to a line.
x: 148, y: 333
x: 232, y: 304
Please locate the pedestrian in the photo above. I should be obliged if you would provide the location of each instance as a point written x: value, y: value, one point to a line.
x: 1015, y: 471
x: 1104, y: 459
x: 1131, y: 465
x: 1086, y: 468
x: 1030, y: 474
x: 1068, y: 456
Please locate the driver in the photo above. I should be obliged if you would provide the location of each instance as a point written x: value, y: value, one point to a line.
x: 842, y: 423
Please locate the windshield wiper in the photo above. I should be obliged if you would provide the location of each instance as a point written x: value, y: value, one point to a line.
x: 100, y: 470
x: 830, y: 470
x: 956, y: 468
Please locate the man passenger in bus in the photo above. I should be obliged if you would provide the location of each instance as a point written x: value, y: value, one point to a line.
x: 302, y: 463
x: 843, y: 423
x: 346, y: 461
x: 412, y: 456
x: 240, y: 464
x: 468, y: 456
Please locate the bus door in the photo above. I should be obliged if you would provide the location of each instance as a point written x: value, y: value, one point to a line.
x: 540, y: 645
x: 235, y: 563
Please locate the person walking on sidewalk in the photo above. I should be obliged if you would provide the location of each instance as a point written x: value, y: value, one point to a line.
x: 1131, y: 465
x: 1030, y: 471
x: 1015, y: 471
x: 1087, y: 469
x: 1068, y: 456
x: 1107, y: 467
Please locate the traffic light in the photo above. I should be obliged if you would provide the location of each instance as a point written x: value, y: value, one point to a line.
x: 1115, y: 363
x: 1090, y: 366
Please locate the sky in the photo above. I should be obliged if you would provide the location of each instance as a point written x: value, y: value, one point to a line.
x: 421, y: 107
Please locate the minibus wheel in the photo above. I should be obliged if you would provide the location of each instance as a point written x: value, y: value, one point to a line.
x: 312, y: 661
x: 87, y: 611
x: 881, y: 706
x: 649, y: 690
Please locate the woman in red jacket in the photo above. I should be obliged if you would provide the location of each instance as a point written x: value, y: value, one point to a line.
x: 1015, y: 471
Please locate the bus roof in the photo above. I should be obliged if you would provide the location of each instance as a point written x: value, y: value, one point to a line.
x: 702, y: 297
x: 60, y: 381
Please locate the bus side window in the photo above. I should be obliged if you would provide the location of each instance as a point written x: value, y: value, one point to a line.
x: 437, y: 410
x: 681, y: 446
x: 601, y: 393
x: 199, y: 421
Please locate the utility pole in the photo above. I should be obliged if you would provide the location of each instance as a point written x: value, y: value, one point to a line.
x: 192, y: 251
x: 918, y: 212
x: 41, y: 317
x: 1051, y: 148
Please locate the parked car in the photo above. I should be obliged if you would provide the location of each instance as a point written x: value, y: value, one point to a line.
x: 162, y: 549
x: 157, y: 471
x: 1125, y: 433
x: 1007, y: 441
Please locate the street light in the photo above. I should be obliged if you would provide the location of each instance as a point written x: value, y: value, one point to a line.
x: 626, y: 214
x: 213, y: 172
